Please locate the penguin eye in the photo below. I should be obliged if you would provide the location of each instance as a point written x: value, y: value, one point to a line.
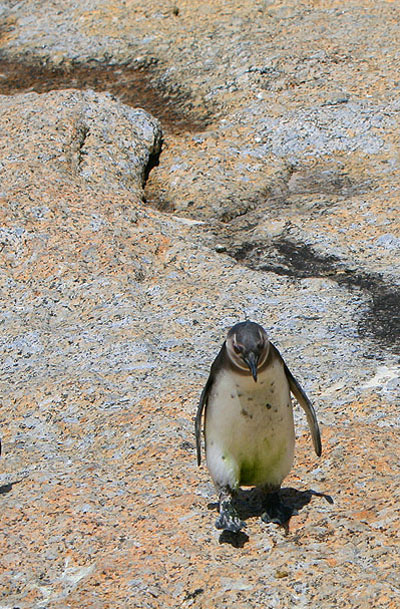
x: 237, y: 349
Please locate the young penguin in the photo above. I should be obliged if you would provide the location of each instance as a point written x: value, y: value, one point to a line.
x: 248, y: 427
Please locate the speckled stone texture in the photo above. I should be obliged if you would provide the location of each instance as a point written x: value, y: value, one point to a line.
x: 276, y: 199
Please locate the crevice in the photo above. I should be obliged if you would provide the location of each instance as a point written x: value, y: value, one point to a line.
x: 153, y: 161
x: 83, y: 132
x: 297, y: 187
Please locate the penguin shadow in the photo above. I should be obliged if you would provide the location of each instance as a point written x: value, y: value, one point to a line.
x: 249, y: 503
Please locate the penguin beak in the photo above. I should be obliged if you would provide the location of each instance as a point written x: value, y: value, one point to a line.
x: 252, y: 360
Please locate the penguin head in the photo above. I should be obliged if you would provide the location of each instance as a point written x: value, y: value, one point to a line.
x: 247, y: 345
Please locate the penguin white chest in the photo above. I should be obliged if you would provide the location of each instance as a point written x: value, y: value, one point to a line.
x: 249, y: 429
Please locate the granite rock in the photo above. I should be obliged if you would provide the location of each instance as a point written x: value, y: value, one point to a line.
x: 274, y: 198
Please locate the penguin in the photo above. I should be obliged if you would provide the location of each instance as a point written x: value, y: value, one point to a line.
x: 248, y: 423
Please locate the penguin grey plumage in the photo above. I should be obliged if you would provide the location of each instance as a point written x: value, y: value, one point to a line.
x: 248, y: 422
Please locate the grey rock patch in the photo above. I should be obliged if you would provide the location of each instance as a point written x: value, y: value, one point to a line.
x: 83, y: 134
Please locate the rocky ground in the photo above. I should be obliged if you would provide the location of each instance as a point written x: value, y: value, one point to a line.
x: 167, y: 170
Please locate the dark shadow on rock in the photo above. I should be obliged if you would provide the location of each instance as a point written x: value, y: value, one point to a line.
x: 249, y: 504
x: 381, y: 319
x: 192, y: 595
x: 299, y: 499
x: 6, y: 488
x: 236, y: 540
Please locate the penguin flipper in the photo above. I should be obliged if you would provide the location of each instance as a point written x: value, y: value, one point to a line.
x: 308, y: 408
x: 197, y: 425
x: 204, y: 400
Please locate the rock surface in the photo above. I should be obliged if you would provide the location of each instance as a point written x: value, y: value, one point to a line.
x: 274, y: 198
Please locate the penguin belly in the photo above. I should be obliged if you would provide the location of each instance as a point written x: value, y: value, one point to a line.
x: 250, y: 430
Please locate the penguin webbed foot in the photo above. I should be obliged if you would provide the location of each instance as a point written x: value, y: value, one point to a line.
x: 229, y: 519
x: 276, y: 511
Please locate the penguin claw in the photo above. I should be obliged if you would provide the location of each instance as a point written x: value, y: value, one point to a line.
x: 228, y: 519
x: 227, y: 522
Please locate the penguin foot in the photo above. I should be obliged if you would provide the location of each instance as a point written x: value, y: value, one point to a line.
x: 228, y: 518
x: 276, y: 511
